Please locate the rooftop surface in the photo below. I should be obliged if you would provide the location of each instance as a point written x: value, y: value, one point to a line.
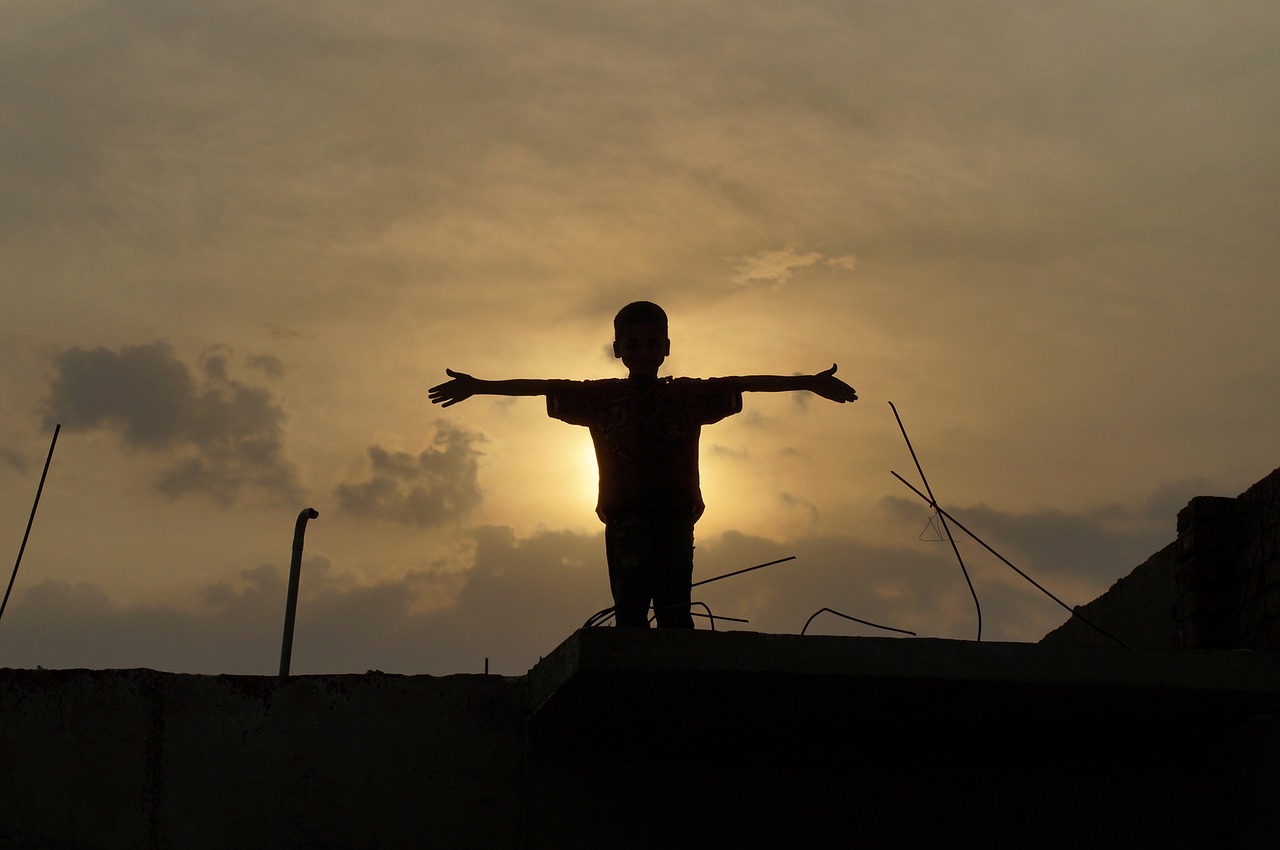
x: 624, y: 669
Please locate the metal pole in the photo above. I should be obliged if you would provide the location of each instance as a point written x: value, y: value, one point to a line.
x: 31, y: 519
x: 295, y: 573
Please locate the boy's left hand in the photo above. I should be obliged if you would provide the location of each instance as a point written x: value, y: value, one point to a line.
x: 827, y: 385
x: 461, y: 388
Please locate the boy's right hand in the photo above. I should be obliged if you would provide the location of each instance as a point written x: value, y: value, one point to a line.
x: 827, y: 385
x: 461, y: 388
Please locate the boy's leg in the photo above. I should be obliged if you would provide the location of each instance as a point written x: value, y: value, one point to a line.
x: 626, y: 544
x: 672, y: 554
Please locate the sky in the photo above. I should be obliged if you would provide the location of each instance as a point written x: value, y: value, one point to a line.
x: 240, y: 240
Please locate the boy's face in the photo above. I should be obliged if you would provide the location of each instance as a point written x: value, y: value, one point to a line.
x: 642, y: 348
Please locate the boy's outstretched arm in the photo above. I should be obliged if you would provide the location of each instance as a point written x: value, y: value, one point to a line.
x: 464, y: 386
x: 825, y: 384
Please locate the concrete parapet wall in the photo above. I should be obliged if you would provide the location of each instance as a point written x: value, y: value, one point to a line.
x: 139, y: 759
x: 702, y: 739
x: 631, y: 738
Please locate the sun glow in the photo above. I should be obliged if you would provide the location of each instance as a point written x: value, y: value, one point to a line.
x: 583, y: 474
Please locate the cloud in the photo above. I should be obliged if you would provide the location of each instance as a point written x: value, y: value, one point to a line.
x: 1075, y: 556
x: 13, y: 459
x: 795, y: 503
x: 223, y: 435
x: 517, y: 599
x: 437, y: 486
x: 513, y: 599
x: 58, y: 624
x: 729, y: 453
x: 1090, y: 544
x: 268, y: 365
x: 775, y: 267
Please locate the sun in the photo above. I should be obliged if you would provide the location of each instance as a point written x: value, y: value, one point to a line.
x: 583, y: 479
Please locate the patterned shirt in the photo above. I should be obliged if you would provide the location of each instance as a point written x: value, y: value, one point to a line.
x: 646, y: 436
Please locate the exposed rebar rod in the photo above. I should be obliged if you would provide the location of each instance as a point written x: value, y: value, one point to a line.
x: 603, y: 614
x: 934, y: 502
x: 855, y: 619
x: 740, y: 572
x: 711, y: 617
x: 31, y: 519
x: 721, y: 617
x: 295, y: 574
x: 1010, y: 565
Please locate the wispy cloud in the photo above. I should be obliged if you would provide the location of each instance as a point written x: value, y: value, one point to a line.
x: 775, y: 268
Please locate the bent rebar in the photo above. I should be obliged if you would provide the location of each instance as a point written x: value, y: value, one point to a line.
x: 855, y: 619
x: 291, y: 602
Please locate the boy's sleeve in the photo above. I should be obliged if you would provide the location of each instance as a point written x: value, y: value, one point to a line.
x: 572, y: 402
x: 715, y: 400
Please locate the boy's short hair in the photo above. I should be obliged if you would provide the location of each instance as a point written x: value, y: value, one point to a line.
x: 639, y: 313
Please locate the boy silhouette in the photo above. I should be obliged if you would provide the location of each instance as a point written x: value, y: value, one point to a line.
x: 645, y: 430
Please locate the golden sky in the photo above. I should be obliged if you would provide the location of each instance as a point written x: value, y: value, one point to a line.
x: 239, y: 240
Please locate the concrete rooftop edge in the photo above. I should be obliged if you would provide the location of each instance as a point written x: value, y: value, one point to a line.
x: 604, y: 651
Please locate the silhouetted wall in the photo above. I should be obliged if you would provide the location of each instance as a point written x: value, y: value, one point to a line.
x: 630, y: 738
x: 1229, y: 580
x: 1217, y: 586
x: 140, y: 759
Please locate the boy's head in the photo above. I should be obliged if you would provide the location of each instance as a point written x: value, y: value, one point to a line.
x: 640, y: 338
